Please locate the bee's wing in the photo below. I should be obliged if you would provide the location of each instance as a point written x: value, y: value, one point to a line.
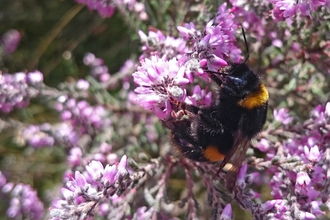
x: 236, y: 155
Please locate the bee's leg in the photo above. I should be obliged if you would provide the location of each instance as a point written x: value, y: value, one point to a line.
x: 189, y: 148
x: 215, y: 78
x: 181, y: 109
x: 183, y: 136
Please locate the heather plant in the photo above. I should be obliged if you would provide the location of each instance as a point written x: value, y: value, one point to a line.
x: 82, y: 106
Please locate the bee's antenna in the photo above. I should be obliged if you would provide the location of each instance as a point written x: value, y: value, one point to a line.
x: 246, y: 47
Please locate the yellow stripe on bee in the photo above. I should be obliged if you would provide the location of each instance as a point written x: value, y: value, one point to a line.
x: 255, y: 99
x: 212, y: 154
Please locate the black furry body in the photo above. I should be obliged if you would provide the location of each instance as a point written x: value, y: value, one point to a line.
x: 237, y: 114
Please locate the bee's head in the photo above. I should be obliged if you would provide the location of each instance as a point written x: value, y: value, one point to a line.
x: 238, y: 80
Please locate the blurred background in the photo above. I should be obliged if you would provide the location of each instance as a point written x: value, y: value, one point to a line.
x: 55, y: 36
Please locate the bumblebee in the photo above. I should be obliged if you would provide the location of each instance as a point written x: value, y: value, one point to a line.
x: 236, y: 115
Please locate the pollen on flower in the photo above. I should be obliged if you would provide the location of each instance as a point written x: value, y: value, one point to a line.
x: 176, y: 92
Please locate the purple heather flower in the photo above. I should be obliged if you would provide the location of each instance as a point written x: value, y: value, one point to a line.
x: 159, y: 81
x: 226, y: 213
x: 14, y: 91
x: 152, y: 40
x: 306, y: 215
x: 303, y: 179
x: 215, y: 43
x: 109, y: 175
x: 199, y: 97
x: 263, y: 145
x: 104, y: 7
x: 86, y: 190
x: 287, y: 8
x: 248, y: 18
x: 25, y: 203
x: 128, y: 67
x: 91, y: 60
x: 195, y: 67
x: 157, y: 44
x: 312, y: 154
x: 17, y: 89
x: 104, y: 209
x: 95, y: 170
x: 267, y: 206
x: 282, y: 116
x: 3, y: 180
x: 105, y: 148
x: 140, y: 10
x: 10, y: 41
x: 66, y: 133
x: 240, y: 181
x: 35, y: 78
x: 112, y: 158
x: 251, y: 177
x: 83, y: 117
x: 300, y: 179
x: 283, y: 9
x: 327, y: 108
x: 188, y: 31
x: 98, y: 70
x: 75, y: 156
x: 8, y: 187
x: 315, y: 209
x: 99, y: 157
x: 225, y: 18
x: 142, y: 213
x: 82, y: 84
x: 306, y: 7
x: 78, y: 184
x: 37, y: 137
